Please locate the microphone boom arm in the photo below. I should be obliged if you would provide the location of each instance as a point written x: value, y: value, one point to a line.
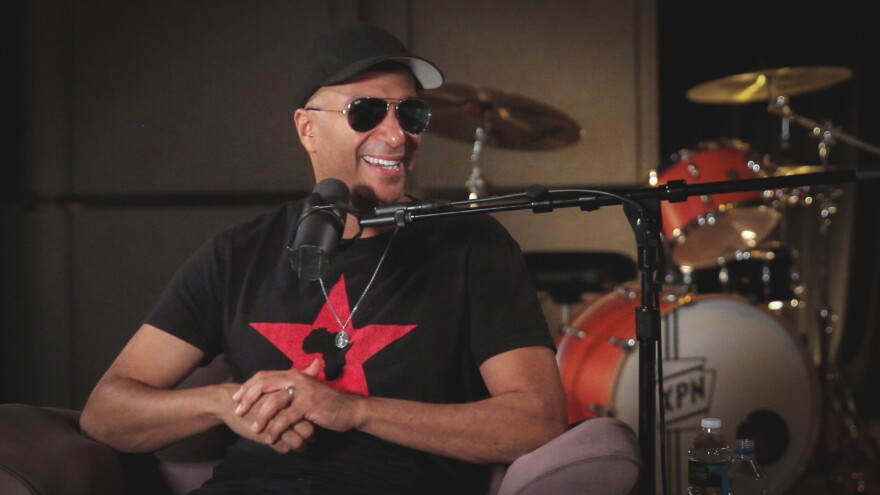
x: 590, y: 199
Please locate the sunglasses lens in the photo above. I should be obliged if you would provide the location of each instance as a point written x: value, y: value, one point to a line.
x: 366, y: 113
x: 413, y: 115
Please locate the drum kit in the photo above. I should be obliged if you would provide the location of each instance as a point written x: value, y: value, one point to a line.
x: 729, y: 274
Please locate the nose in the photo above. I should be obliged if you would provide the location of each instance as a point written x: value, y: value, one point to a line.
x: 389, y: 130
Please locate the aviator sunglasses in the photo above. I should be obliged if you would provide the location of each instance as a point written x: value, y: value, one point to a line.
x: 367, y: 112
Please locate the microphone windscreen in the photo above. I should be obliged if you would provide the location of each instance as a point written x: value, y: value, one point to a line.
x: 332, y: 190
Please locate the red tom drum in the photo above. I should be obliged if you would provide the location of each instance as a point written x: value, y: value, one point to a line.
x: 704, y: 231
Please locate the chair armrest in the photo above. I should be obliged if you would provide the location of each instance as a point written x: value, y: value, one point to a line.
x: 43, y: 453
x: 596, y: 456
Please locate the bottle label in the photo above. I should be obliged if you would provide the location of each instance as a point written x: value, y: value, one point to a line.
x: 706, y: 473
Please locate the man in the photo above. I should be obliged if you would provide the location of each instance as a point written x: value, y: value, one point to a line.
x: 419, y: 358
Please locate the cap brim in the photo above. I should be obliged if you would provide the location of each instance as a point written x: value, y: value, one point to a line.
x: 427, y: 74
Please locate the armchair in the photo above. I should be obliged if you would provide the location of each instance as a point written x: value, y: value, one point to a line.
x: 43, y: 453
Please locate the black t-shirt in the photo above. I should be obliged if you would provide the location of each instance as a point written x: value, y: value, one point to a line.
x: 449, y: 294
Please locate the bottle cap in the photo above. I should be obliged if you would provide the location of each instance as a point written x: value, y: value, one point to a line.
x: 745, y: 446
x: 710, y: 423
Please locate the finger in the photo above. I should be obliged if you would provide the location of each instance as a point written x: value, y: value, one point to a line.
x: 281, y: 447
x: 253, y: 389
x: 279, y: 423
x: 253, y: 381
x: 304, y: 429
x: 249, y: 392
x: 293, y: 440
x: 269, y: 410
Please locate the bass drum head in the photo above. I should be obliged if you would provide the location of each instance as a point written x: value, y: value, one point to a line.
x: 722, y: 357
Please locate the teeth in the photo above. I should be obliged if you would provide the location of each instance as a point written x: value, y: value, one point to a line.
x: 382, y: 162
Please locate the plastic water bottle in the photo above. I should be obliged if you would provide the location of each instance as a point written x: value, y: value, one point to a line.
x: 708, y: 460
x: 745, y: 476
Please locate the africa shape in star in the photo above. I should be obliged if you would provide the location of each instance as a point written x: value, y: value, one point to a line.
x: 342, y: 369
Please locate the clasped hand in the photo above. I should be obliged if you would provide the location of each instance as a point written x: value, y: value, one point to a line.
x: 286, y: 405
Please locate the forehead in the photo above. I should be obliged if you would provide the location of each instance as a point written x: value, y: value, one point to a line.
x: 393, y: 82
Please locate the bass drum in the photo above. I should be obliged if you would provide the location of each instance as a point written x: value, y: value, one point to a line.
x: 721, y: 357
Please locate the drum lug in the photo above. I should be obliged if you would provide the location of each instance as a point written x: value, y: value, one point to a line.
x: 623, y: 344
x: 576, y: 332
x: 599, y: 410
x: 627, y: 292
x: 707, y: 219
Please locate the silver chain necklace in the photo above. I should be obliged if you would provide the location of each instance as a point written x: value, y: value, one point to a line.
x: 343, y: 338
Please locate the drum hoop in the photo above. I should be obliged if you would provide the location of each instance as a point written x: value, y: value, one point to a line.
x: 714, y: 144
x: 719, y: 213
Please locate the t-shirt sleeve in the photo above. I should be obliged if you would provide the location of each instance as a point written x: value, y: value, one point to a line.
x: 506, y: 313
x: 191, y: 307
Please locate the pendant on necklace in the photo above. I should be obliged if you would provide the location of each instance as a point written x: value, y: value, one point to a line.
x: 342, y: 339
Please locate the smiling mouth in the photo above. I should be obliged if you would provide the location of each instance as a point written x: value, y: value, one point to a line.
x: 382, y: 162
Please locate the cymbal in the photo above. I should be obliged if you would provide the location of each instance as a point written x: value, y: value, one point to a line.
x: 767, y: 84
x: 508, y: 120
x: 800, y: 169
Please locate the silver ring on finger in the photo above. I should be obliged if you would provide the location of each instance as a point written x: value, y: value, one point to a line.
x: 291, y: 392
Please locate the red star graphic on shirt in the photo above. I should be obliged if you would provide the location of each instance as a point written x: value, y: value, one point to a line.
x: 291, y: 339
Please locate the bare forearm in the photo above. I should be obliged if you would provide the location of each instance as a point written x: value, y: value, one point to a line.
x: 495, y: 430
x: 133, y: 417
x: 526, y: 409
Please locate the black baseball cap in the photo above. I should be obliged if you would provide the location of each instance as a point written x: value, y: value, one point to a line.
x: 351, y: 49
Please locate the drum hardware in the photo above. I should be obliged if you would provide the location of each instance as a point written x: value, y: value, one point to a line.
x: 476, y: 183
x: 597, y: 410
x: 624, y: 344
x: 826, y: 133
x: 837, y: 407
x: 567, y: 330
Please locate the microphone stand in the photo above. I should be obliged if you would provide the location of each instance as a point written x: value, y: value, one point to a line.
x: 642, y: 207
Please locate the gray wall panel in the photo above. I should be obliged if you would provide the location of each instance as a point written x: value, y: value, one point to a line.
x: 123, y: 261
x: 35, y: 307
x: 188, y: 96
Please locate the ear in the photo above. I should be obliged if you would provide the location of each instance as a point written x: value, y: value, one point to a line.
x: 304, y: 129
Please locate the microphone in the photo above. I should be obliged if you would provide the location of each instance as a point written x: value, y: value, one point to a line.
x: 319, y: 229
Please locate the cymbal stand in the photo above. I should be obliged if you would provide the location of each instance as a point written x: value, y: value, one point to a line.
x: 785, y: 124
x: 837, y: 402
x: 476, y: 184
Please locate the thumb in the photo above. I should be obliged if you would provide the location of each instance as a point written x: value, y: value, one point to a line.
x: 314, y: 368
